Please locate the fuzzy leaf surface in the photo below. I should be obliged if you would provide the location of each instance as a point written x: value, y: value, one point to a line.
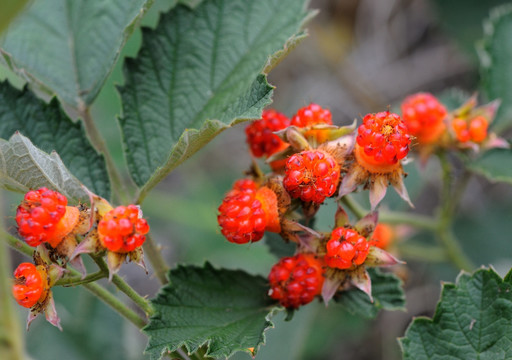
x: 49, y: 128
x: 473, y: 320
x: 69, y: 48
x: 495, y: 165
x: 227, y: 309
x: 197, y: 74
x: 10, y: 8
x: 495, y: 66
x: 387, y: 293
x: 23, y: 167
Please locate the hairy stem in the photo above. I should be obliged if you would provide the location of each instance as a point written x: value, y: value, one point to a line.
x: 77, y: 280
x: 154, y: 254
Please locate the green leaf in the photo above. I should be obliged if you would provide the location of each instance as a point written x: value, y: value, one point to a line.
x: 473, y: 320
x: 24, y: 167
x: 278, y: 246
x: 387, y: 293
x: 226, y: 309
x: 69, y: 48
x: 196, y: 75
x: 10, y: 8
x: 453, y: 98
x: 49, y: 128
x: 495, y: 66
x: 495, y: 165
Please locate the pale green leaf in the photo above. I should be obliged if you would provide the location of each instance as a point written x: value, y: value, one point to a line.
x: 70, y: 47
x: 495, y: 65
x: 24, y: 167
x: 49, y: 128
x: 226, y: 309
x: 495, y: 165
x: 196, y: 75
x: 473, y: 320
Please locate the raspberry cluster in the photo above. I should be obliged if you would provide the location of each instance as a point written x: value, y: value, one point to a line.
x: 346, y: 248
x: 476, y: 131
x: 311, y: 175
x: 310, y: 115
x: 122, y: 230
x: 383, y: 138
x: 28, y: 285
x: 295, y: 281
x: 260, y: 134
x: 38, y: 215
x: 424, y: 117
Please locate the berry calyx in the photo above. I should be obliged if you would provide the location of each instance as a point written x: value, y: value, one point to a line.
x: 122, y: 230
x: 382, y: 141
x: 43, y: 215
x: 346, y: 249
x: 29, y: 285
x: 311, y: 175
x: 295, y: 281
x: 260, y: 134
x: 310, y: 115
x: 382, y: 236
x: 424, y: 117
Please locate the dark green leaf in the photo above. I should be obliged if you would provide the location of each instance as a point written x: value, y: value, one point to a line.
x: 496, y: 67
x: 387, y: 293
x: 278, y: 246
x: 49, y: 128
x: 196, y: 75
x: 495, y: 165
x: 228, y: 310
x: 473, y: 320
x: 70, y: 47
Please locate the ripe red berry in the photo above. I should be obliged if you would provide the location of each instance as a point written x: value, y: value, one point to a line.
x: 122, y: 230
x: 39, y: 214
x: 424, y: 117
x: 346, y: 248
x: 311, y: 175
x: 29, y: 285
x: 478, y: 129
x: 260, y: 134
x: 242, y: 185
x: 310, y: 115
x: 382, y: 139
x: 295, y: 281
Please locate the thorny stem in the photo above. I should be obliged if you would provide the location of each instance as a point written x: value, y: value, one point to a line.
x: 154, y: 255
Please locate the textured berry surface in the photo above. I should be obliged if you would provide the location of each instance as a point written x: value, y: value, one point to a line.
x: 28, y: 285
x: 475, y: 130
x: 424, y: 116
x: 260, y: 137
x: 242, y: 185
x: 383, y: 236
x: 295, y: 281
x: 38, y: 215
x: 383, y: 138
x: 311, y: 175
x: 122, y: 229
x: 310, y: 115
x: 346, y: 248
x: 241, y: 217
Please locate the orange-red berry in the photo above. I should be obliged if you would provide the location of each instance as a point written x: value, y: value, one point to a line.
x: 260, y: 134
x: 478, y: 129
x: 346, y: 248
x: 38, y: 215
x: 310, y: 115
x: 383, y: 139
x: 295, y: 281
x: 311, y: 175
x: 383, y: 236
x: 28, y: 285
x: 424, y: 117
x: 122, y: 230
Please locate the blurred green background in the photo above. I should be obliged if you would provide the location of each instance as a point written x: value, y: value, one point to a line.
x: 361, y: 56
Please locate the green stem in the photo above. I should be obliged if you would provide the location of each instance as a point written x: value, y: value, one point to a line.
x: 154, y: 254
x: 122, y: 285
x: 422, y: 252
x: 77, y: 280
x: 454, y: 250
x: 353, y: 206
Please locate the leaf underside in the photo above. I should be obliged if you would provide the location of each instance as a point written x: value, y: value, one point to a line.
x: 473, y: 320
x: 226, y: 309
x: 196, y: 75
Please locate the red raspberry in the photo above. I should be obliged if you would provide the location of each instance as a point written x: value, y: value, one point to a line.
x: 260, y: 134
x: 311, y: 175
x: 383, y: 236
x: 295, y: 281
x: 310, y: 115
x: 28, y: 285
x: 382, y: 139
x: 424, y: 117
x: 346, y: 248
x: 122, y: 229
x: 38, y: 215
x: 242, y: 185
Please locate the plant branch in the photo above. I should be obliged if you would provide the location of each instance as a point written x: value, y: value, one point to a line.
x: 154, y: 254
x: 77, y: 280
x: 422, y: 252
